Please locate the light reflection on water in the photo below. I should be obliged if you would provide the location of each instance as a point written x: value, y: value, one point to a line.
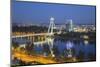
x: 65, y: 48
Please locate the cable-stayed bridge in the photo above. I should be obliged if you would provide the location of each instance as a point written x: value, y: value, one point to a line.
x: 50, y: 31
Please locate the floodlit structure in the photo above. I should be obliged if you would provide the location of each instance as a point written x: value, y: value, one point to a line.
x: 51, y: 26
x: 69, y: 25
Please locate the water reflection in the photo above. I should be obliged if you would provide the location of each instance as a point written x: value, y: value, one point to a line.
x: 68, y: 49
x: 69, y: 45
x: 86, y: 42
x: 61, y: 49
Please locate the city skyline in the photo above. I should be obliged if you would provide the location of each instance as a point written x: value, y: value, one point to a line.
x: 34, y: 12
x: 68, y: 37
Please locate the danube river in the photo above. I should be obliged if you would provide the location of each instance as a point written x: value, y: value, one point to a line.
x: 61, y: 49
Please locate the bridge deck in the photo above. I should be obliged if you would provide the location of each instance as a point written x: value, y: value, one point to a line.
x: 27, y: 35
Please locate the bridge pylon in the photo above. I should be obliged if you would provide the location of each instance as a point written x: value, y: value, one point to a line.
x: 51, y: 26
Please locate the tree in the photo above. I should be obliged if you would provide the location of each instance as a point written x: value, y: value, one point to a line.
x: 29, y: 47
x: 15, y: 44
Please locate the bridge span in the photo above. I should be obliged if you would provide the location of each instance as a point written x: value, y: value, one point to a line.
x: 30, y: 35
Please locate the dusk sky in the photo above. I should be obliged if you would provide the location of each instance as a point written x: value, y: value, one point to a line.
x: 32, y: 12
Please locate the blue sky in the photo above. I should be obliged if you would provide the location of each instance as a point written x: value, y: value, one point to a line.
x: 33, y: 12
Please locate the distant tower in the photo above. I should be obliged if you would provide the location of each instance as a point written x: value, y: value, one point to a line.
x: 51, y: 25
x: 69, y: 25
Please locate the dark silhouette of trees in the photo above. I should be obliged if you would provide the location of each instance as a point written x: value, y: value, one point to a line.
x: 29, y: 48
x: 81, y: 55
x: 26, y: 29
x: 46, y: 48
x: 15, y: 44
x: 92, y: 57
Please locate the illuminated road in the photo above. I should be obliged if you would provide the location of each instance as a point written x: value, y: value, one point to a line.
x: 28, y: 58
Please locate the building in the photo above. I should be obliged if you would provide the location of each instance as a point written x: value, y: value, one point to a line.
x: 69, y: 26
